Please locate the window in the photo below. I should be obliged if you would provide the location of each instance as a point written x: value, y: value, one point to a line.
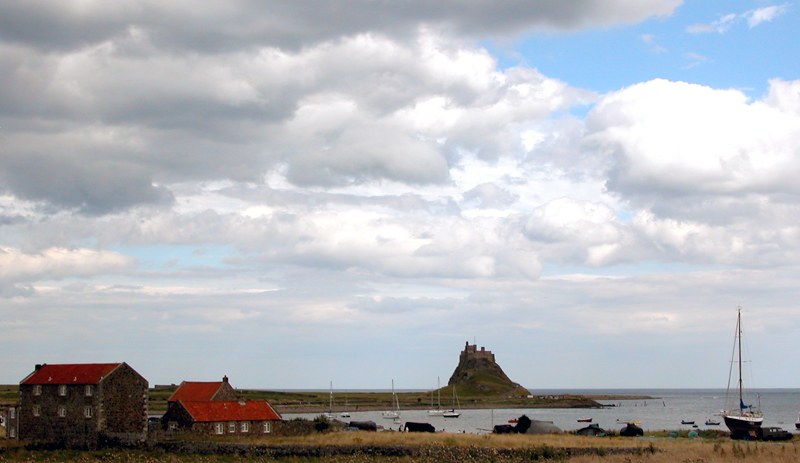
x: 12, y: 413
x: 87, y: 412
x: 267, y: 427
x: 62, y: 411
x: 173, y: 426
x: 62, y: 390
x: 220, y: 428
x: 12, y: 433
x: 37, y: 410
x: 37, y: 389
x: 231, y: 427
x: 89, y: 390
x: 245, y: 427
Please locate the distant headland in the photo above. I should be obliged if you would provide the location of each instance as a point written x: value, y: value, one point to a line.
x: 478, y: 381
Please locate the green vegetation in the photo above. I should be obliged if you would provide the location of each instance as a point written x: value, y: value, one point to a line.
x: 9, y: 394
x: 313, y: 402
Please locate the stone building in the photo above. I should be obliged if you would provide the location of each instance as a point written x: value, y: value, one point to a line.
x: 239, y: 418
x: 471, y: 352
x: 81, y: 405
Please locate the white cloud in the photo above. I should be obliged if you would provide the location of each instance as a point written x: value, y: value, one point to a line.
x: 768, y: 13
x: 577, y: 232
x: 354, y: 111
x: 57, y: 263
x: 727, y: 145
x: 752, y: 17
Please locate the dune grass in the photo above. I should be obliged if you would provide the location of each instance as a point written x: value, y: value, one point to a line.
x: 447, y: 448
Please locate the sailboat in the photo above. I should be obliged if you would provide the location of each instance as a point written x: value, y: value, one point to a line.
x: 393, y: 414
x: 453, y: 413
x: 438, y: 410
x: 345, y: 413
x: 330, y: 409
x: 741, y: 419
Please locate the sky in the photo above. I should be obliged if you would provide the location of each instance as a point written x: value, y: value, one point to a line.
x: 294, y: 193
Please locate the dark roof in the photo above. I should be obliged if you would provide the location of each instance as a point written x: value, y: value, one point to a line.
x: 249, y: 410
x: 80, y: 373
x: 195, y: 391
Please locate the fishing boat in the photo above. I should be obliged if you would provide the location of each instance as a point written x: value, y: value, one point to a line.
x: 687, y: 421
x: 797, y: 423
x: 583, y: 419
x: 711, y: 422
x: 438, y: 410
x: 393, y: 414
x: 743, y: 420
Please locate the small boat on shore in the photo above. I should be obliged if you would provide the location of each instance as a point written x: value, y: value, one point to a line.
x: 583, y: 419
x: 743, y: 420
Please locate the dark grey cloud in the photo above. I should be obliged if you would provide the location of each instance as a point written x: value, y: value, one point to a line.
x: 230, y: 24
x: 94, y: 187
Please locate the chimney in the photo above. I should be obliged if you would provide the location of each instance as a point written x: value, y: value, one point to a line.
x: 225, y: 379
x: 38, y: 367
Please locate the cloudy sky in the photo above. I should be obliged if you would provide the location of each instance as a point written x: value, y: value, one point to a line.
x: 297, y: 192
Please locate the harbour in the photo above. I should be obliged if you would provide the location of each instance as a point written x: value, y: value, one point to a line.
x: 665, y: 410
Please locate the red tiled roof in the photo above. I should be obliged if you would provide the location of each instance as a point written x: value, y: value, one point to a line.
x: 195, y: 391
x: 249, y: 410
x: 81, y: 373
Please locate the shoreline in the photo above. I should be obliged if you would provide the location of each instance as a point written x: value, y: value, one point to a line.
x: 577, y: 403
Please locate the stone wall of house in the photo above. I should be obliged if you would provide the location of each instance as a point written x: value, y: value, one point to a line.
x: 226, y: 391
x: 74, y: 428
x: 124, y: 400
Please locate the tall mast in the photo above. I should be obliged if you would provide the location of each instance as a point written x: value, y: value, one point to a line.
x: 739, y: 334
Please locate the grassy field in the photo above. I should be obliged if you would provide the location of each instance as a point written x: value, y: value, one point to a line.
x: 314, y: 402
x: 8, y: 394
x: 446, y: 448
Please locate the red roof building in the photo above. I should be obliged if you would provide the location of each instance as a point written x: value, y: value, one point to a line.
x: 81, y: 405
x: 199, y: 391
x: 228, y: 417
x: 249, y: 410
x: 82, y: 373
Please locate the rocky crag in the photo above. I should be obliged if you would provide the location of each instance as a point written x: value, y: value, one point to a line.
x: 479, y: 374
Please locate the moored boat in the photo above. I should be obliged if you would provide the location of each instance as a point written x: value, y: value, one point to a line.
x: 393, y: 414
x: 743, y: 420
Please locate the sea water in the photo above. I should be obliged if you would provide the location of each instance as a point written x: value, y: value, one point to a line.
x: 664, y: 411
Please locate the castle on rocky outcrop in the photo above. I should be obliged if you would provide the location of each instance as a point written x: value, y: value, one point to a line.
x: 471, y: 351
x: 478, y: 371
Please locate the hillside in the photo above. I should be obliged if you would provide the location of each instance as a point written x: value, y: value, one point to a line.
x: 478, y: 374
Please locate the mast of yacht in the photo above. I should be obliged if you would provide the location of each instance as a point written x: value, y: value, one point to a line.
x: 739, y: 335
